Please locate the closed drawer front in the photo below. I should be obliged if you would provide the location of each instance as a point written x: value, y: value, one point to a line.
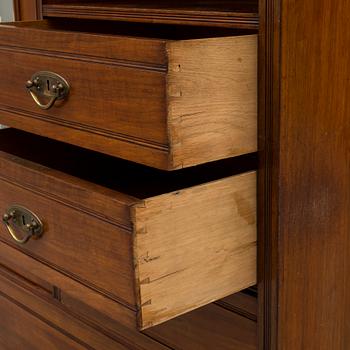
x: 157, y: 254
x: 20, y: 329
x: 35, y: 318
x: 168, y: 102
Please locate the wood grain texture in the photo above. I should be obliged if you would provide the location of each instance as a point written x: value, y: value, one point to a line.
x: 125, y: 100
x: 212, y: 99
x: 321, y: 252
x: 80, y: 41
x: 20, y: 329
x: 307, y: 279
x: 177, y: 234
x: 269, y: 172
x: 233, y: 14
x: 48, y: 312
x: 116, y: 96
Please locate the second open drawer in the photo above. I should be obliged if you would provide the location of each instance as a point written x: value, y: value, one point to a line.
x: 156, y: 243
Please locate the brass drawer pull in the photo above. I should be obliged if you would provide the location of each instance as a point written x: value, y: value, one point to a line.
x: 18, y: 218
x: 47, y: 85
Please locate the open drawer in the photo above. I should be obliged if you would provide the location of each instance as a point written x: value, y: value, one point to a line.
x: 158, y: 244
x: 164, y: 96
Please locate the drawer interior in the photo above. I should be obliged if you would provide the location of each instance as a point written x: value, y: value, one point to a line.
x: 116, y: 174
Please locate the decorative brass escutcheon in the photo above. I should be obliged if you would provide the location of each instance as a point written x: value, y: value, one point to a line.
x: 47, y: 86
x: 19, y: 219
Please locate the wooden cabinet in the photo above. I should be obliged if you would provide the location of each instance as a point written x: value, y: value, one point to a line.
x: 122, y: 247
x: 218, y: 92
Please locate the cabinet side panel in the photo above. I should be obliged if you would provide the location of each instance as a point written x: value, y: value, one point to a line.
x: 313, y: 192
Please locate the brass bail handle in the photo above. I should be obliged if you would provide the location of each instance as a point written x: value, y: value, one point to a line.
x: 47, y: 85
x: 21, y: 219
x: 51, y: 102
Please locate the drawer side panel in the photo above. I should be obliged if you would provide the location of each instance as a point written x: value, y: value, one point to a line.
x: 212, y: 99
x: 195, y: 246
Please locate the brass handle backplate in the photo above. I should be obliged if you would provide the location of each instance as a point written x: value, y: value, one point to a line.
x: 47, y: 86
x: 22, y: 224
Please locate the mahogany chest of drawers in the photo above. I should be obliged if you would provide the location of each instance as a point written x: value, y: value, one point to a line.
x: 175, y: 175
x: 111, y: 250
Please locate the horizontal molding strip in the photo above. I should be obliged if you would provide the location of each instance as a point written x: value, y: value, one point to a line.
x: 87, y: 58
x: 72, y: 276
x: 229, y: 19
x: 87, y: 128
x: 42, y: 319
x: 116, y: 336
x: 72, y: 205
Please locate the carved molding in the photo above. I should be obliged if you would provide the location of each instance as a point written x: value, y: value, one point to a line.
x: 269, y: 119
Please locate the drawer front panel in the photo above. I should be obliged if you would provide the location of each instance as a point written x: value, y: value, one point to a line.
x: 75, y: 242
x: 31, y: 320
x: 116, y: 102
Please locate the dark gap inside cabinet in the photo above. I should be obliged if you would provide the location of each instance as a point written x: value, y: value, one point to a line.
x: 224, y: 13
x: 131, y: 178
x: 137, y: 30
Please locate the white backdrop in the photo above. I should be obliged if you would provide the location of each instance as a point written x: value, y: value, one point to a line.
x: 6, y: 10
x: 6, y: 15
